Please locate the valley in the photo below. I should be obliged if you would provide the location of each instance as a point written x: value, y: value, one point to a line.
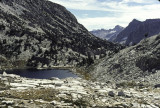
x: 117, y: 68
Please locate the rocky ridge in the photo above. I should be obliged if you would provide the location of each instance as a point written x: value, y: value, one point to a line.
x: 138, y: 63
x: 16, y: 91
x: 39, y: 33
x: 138, y: 30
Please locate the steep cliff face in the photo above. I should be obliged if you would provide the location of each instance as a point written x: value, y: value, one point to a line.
x: 139, y: 62
x: 137, y: 30
x: 39, y: 33
x: 148, y: 28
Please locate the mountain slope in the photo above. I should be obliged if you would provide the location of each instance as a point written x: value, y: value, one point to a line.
x: 133, y: 63
x: 108, y: 34
x: 137, y: 30
x: 39, y: 33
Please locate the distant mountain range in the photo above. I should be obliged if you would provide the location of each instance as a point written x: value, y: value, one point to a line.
x: 110, y: 34
x: 132, y: 34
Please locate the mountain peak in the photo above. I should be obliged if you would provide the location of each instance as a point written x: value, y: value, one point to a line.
x: 135, y: 31
x: 109, y: 34
x: 118, y: 27
x: 135, y: 21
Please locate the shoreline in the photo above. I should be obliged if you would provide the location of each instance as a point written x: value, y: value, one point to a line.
x: 72, y: 69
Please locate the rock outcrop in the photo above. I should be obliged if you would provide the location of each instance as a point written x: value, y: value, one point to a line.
x: 23, y: 92
x: 39, y: 33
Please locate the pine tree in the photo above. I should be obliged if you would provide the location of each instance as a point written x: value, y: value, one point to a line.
x: 146, y: 35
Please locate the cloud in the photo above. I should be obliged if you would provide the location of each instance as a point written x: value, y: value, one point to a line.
x: 83, y: 4
x: 119, y: 12
x: 141, y: 13
x: 138, y: 1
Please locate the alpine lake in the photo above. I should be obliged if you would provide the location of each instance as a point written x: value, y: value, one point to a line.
x: 42, y: 74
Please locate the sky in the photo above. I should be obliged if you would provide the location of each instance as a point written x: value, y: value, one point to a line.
x: 106, y: 14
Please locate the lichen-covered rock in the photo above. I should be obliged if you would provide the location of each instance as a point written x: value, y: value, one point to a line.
x: 25, y: 92
x: 8, y: 102
x: 121, y: 93
x: 111, y: 93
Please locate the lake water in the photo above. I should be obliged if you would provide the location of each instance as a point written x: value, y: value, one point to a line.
x: 43, y: 74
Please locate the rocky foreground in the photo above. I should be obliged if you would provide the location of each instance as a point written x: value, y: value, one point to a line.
x: 16, y: 91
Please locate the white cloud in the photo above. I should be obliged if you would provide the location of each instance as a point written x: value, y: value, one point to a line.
x: 85, y: 15
x: 83, y: 4
x: 123, y: 13
x: 123, y: 19
x: 102, y: 22
x: 138, y: 1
